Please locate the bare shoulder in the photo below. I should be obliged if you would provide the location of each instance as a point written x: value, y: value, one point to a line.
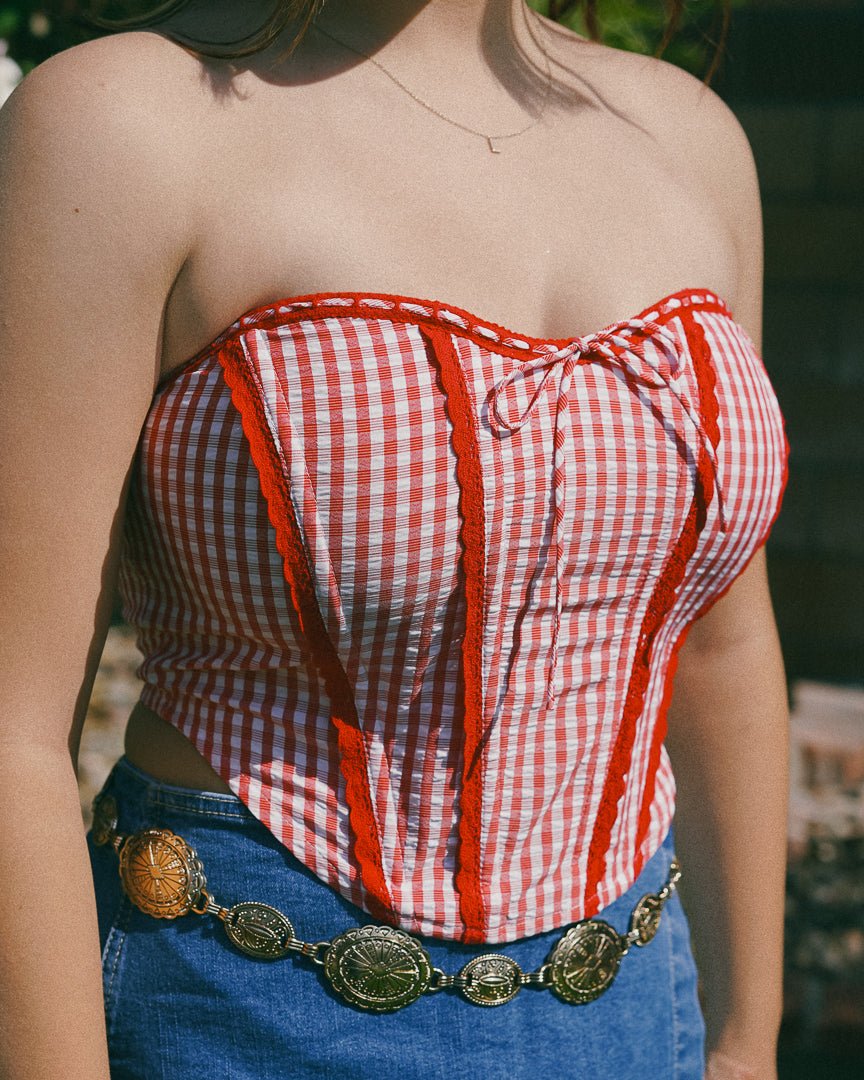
x: 697, y: 127
x: 99, y: 160
x: 116, y: 108
x: 703, y: 140
x: 698, y: 138
x: 99, y: 178
x: 687, y: 118
x: 113, y: 74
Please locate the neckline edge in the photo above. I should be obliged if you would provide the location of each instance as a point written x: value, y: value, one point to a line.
x: 451, y: 315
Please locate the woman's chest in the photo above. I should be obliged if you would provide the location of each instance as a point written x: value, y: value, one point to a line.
x: 400, y: 443
x: 565, y: 231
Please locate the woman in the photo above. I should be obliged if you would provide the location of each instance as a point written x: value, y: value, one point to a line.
x: 411, y: 587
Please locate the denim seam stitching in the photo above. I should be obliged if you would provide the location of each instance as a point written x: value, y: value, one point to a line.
x: 119, y: 932
x: 115, y: 919
x: 170, y: 796
x: 169, y: 805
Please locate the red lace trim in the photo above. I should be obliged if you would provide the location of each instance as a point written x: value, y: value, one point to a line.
x: 659, y: 606
x: 703, y: 364
x: 247, y: 396
x: 472, y: 535
x: 432, y: 314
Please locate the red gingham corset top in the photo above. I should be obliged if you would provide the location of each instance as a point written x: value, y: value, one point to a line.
x: 415, y: 586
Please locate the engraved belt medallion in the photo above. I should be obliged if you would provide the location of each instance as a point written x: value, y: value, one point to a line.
x: 378, y: 967
x: 646, y: 918
x: 161, y: 873
x: 104, y: 819
x: 259, y: 930
x: 585, y: 961
x: 490, y: 979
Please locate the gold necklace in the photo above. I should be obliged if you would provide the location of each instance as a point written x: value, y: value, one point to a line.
x: 490, y: 139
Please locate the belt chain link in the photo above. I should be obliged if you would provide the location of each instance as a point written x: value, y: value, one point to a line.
x: 379, y: 968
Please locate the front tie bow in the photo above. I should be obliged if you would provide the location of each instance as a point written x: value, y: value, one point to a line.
x: 657, y: 372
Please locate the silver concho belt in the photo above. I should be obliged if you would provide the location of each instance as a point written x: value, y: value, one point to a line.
x: 379, y: 968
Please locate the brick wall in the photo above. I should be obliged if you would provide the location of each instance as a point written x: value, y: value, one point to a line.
x: 794, y: 76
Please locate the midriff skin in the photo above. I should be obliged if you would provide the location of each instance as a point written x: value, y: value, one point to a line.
x: 164, y: 752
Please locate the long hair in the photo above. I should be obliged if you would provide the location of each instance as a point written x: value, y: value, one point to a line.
x: 301, y: 13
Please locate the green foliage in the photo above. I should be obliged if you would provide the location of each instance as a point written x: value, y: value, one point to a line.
x: 33, y: 31
x: 638, y: 25
x: 9, y: 20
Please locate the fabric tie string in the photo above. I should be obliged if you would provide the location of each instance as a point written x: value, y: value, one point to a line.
x: 656, y: 371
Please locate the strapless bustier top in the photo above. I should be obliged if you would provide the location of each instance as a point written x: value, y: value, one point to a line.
x: 415, y: 585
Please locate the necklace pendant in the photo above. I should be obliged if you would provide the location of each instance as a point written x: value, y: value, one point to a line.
x: 492, y: 145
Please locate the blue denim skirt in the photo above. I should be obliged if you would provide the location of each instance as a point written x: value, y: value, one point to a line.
x: 181, y: 1001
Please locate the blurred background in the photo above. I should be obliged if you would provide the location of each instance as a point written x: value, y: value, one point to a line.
x: 793, y: 73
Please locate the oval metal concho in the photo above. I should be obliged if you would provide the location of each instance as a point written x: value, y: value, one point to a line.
x: 161, y: 873
x: 377, y: 967
x: 646, y: 918
x: 259, y: 930
x: 104, y: 819
x: 585, y: 961
x: 491, y: 979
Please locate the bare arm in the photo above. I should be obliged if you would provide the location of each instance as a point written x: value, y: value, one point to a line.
x: 728, y: 720
x: 727, y: 741
x: 90, y: 243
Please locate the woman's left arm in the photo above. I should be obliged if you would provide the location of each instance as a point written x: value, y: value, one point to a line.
x: 727, y: 739
x: 728, y: 721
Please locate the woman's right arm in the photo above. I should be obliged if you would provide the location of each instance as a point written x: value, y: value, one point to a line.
x: 95, y: 224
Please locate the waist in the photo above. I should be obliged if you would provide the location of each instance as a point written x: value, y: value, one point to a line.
x: 314, y: 867
x: 242, y: 857
x: 160, y: 750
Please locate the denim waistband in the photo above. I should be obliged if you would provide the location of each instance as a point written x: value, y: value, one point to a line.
x: 216, y: 822
x: 148, y: 790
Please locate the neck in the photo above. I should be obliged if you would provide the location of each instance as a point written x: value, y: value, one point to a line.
x: 439, y: 20
x: 473, y: 35
x: 489, y: 52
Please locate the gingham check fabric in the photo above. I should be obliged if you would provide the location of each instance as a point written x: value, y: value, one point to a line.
x: 414, y: 586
